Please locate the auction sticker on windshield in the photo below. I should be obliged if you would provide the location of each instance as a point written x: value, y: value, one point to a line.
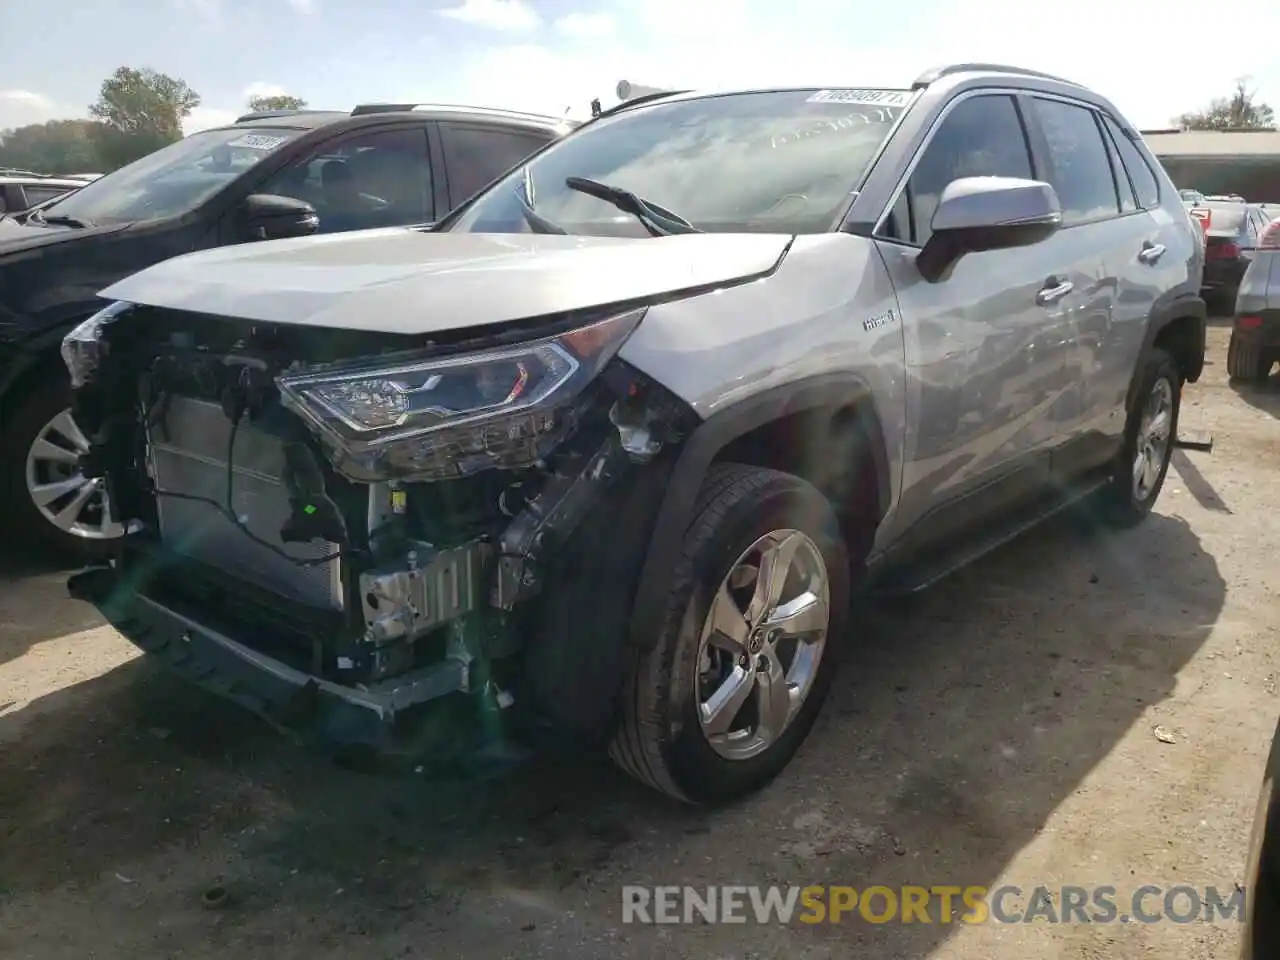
x: 257, y: 141
x: 871, y: 98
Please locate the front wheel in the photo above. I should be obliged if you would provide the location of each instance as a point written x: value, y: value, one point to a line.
x: 51, y: 506
x: 758, y: 609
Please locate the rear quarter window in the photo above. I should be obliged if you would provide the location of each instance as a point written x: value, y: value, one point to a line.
x: 1146, y: 187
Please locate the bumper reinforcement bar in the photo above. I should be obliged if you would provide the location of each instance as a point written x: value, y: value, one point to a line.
x: 288, y: 698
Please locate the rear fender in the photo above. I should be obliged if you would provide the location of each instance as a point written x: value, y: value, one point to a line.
x: 1182, y: 324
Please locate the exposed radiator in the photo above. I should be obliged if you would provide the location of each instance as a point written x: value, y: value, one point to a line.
x: 188, y: 451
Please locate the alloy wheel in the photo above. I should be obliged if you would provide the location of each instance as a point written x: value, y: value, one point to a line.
x: 69, y: 500
x: 762, y: 643
x: 1154, y: 436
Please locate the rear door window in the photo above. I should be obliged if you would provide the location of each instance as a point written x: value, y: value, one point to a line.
x: 1081, y: 169
x: 476, y: 155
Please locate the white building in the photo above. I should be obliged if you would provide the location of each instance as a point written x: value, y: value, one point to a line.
x: 1244, y: 162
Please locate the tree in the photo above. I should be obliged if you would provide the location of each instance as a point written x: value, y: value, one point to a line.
x: 140, y: 111
x: 1240, y: 111
x: 59, y: 146
x: 281, y: 101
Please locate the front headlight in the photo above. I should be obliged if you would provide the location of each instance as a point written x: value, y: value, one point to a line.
x: 438, y: 417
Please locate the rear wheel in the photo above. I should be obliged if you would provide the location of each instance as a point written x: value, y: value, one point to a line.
x: 1148, y: 445
x: 1248, y: 362
x: 759, y: 606
x: 52, y: 507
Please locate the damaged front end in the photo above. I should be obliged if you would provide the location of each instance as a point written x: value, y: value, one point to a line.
x: 346, y: 531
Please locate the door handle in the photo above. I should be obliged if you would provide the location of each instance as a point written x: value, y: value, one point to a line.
x: 1151, y: 252
x: 1053, y: 291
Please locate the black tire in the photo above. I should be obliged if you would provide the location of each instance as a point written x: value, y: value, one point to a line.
x: 1121, y: 502
x: 570, y: 678
x: 659, y: 739
x: 37, y: 403
x: 1247, y: 361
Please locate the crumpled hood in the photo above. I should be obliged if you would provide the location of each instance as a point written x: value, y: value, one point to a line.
x: 408, y: 281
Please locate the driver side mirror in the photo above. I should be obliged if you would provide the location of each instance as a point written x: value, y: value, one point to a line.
x: 987, y: 213
x: 270, y: 217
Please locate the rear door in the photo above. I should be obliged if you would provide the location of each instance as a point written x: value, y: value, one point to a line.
x: 1150, y: 270
x: 1103, y: 230
x: 475, y: 154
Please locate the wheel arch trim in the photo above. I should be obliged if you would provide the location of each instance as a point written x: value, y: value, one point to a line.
x: 33, y: 351
x: 1188, y: 306
x: 836, y: 391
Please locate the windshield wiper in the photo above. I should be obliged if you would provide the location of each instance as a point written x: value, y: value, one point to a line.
x: 537, y: 222
x: 59, y: 219
x: 657, y: 220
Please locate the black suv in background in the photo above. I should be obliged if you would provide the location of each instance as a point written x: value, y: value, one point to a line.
x: 270, y: 175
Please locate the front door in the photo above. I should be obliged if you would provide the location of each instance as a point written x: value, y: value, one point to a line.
x: 985, y: 347
x: 364, y: 179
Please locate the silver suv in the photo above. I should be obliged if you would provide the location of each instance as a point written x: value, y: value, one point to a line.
x: 602, y: 457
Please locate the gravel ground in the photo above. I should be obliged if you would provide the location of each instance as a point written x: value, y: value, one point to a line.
x: 998, y: 729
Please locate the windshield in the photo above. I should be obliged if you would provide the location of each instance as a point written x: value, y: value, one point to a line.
x: 777, y: 162
x: 172, y: 180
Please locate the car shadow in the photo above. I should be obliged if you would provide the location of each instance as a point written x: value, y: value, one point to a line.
x: 962, y: 718
x: 1260, y: 396
x: 34, y: 605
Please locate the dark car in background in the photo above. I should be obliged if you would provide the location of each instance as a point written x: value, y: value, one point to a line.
x: 1232, y: 229
x: 270, y: 175
x: 1255, y: 327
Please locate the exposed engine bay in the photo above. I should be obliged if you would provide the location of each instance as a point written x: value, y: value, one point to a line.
x: 370, y: 516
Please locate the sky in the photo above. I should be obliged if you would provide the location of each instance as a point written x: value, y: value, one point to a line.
x: 553, y: 56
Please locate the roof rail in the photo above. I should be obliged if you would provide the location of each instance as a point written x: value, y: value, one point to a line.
x: 937, y: 73
x: 365, y: 108
x: 368, y: 108
x: 268, y: 114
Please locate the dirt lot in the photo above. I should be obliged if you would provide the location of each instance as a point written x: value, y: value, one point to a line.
x: 999, y: 729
